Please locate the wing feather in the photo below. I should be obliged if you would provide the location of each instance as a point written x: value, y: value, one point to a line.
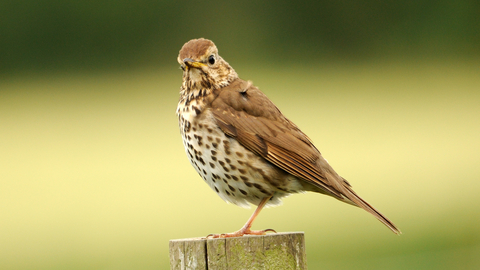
x: 244, y: 112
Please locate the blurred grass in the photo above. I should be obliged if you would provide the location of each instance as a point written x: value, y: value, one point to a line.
x: 93, y: 174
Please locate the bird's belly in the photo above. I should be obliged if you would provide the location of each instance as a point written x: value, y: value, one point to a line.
x: 236, y: 174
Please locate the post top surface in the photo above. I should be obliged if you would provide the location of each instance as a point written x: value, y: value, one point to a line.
x: 245, y: 236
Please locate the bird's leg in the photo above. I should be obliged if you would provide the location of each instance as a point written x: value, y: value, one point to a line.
x: 246, y: 228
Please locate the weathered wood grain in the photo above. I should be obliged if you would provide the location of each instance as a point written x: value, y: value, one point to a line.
x: 272, y: 251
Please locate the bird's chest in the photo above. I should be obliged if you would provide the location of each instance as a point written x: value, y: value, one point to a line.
x: 202, y: 139
x: 225, y: 165
x: 199, y: 134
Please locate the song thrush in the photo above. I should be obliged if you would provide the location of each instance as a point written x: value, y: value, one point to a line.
x: 242, y: 145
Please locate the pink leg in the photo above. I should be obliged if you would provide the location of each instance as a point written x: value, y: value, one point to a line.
x: 246, y: 228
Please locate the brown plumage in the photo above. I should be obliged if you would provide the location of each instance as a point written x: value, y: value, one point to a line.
x: 252, y: 153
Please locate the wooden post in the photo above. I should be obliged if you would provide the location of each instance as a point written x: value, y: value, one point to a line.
x: 271, y: 251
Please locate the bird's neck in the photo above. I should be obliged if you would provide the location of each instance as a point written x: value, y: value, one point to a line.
x: 198, y: 88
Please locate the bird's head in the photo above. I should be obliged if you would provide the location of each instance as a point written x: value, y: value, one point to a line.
x: 202, y: 67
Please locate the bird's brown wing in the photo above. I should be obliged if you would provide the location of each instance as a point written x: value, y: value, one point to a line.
x: 245, y: 113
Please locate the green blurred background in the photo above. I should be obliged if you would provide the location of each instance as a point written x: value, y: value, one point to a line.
x: 93, y: 174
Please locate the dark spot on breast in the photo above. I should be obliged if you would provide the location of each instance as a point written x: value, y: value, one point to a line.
x: 243, y: 191
x: 216, y: 189
x: 197, y: 110
x: 207, y: 145
x: 248, y: 184
x: 226, y: 146
x: 215, y: 145
x: 225, y: 169
x: 244, y: 178
x: 228, y: 160
x: 212, y: 165
x: 187, y: 126
x: 240, y: 162
x: 231, y: 188
x: 209, y: 138
x: 217, y: 140
x: 214, y: 176
x: 242, y: 171
x: 188, y: 137
x: 234, y: 178
x: 214, y: 158
x: 227, y: 176
x: 199, y: 139
x: 204, y: 172
x: 265, y: 176
x: 213, y: 152
x: 200, y: 125
x: 239, y: 154
x: 233, y: 167
x: 209, y: 130
x: 264, y: 191
x: 221, y: 162
x: 225, y: 180
x: 194, y: 128
x: 226, y: 192
x: 258, y: 186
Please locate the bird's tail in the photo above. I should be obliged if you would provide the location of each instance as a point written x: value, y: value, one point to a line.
x: 352, y: 197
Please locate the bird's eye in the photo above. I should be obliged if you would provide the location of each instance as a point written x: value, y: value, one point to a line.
x: 211, y: 59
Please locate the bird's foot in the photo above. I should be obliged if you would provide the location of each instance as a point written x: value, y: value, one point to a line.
x: 241, y: 232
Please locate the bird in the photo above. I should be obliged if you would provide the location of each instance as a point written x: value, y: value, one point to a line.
x: 243, y: 147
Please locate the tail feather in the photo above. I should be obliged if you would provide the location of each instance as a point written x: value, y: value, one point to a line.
x: 340, y: 189
x: 356, y: 200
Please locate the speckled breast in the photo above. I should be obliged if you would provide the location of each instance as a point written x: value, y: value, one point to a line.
x: 237, y: 175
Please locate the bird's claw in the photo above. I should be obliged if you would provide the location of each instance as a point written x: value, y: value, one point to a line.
x: 240, y: 233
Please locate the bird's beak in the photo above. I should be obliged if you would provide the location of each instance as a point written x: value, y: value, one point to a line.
x: 190, y: 63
